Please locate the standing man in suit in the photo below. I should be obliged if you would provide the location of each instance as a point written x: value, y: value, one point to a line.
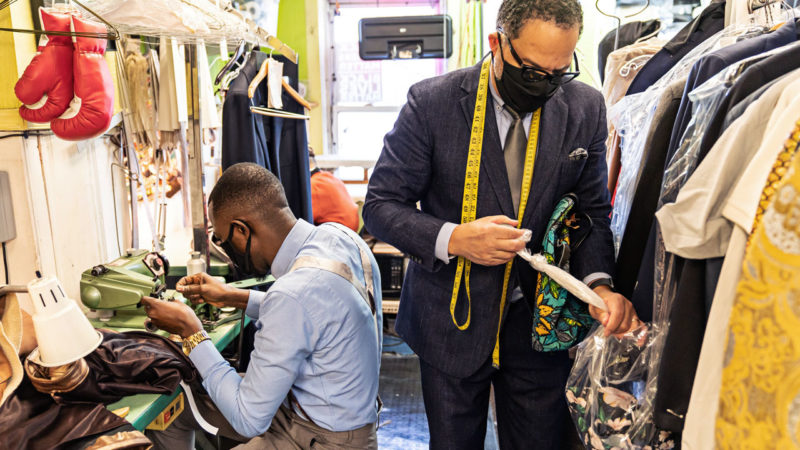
x: 532, y: 117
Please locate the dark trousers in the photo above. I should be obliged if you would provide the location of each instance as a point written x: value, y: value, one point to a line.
x: 529, y: 395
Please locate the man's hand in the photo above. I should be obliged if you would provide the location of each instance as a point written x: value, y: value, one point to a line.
x: 620, y: 317
x: 173, y: 317
x: 203, y: 288
x: 488, y: 241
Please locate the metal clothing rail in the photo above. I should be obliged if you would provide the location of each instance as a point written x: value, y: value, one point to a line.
x: 222, y: 20
x: 113, y: 35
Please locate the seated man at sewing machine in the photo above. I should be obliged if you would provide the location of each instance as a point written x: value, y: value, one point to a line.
x: 313, y: 375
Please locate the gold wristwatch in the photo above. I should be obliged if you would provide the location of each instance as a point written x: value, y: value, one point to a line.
x: 192, y: 341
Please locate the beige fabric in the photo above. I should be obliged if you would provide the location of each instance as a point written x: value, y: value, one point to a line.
x: 622, y: 66
x: 289, y: 432
x: 10, y: 342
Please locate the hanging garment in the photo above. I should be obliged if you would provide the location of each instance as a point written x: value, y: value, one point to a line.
x: 208, y: 102
x: 706, y: 100
x: 683, y: 159
x: 693, y: 226
x: 644, y: 203
x: 696, y: 32
x: 712, y: 64
x: 622, y: 67
x: 740, y: 108
x: 633, y: 116
x: 278, y: 144
x: 629, y: 33
x: 245, y: 137
x: 761, y: 379
x: 741, y: 11
x: 753, y: 78
x: 734, y: 181
x: 645, y: 198
x: 680, y: 286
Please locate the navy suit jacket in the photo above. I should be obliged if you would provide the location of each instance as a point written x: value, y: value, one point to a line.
x: 424, y: 160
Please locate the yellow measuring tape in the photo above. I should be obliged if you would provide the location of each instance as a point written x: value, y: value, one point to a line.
x: 469, y: 203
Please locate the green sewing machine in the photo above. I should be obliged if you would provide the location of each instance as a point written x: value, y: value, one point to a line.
x: 115, y: 289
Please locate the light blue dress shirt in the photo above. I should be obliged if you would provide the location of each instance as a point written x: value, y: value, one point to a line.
x: 504, y: 121
x: 315, y: 335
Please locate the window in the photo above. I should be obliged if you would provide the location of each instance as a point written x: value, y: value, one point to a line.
x: 367, y: 95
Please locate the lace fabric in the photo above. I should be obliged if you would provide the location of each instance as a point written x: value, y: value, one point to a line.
x: 760, y: 397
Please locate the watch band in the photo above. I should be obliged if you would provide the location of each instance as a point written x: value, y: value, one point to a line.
x: 194, y: 340
x: 602, y: 282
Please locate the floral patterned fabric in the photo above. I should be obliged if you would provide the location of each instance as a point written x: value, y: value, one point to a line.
x: 559, y: 319
x: 607, y: 392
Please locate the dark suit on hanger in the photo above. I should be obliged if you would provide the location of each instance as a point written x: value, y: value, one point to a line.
x: 710, y: 65
x: 643, y: 206
x: 424, y: 160
x: 280, y: 145
x: 708, y: 23
x: 753, y: 78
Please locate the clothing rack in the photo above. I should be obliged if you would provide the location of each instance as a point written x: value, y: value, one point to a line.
x: 249, y: 32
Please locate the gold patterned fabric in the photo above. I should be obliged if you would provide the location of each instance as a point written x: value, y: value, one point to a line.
x: 759, y: 404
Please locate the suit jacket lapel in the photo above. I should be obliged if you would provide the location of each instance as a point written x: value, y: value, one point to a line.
x: 548, y: 158
x: 492, y: 162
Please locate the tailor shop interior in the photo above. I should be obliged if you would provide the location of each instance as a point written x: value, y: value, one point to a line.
x: 515, y: 224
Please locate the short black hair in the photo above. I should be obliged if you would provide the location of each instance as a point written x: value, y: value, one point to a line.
x: 248, y: 187
x: 514, y: 13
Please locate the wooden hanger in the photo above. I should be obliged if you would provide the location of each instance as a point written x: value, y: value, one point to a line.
x: 262, y: 73
x: 278, y: 113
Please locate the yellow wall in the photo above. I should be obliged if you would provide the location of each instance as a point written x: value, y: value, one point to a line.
x: 17, y: 47
x: 298, y: 27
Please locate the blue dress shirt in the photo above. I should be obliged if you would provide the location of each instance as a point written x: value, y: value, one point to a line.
x: 315, y: 335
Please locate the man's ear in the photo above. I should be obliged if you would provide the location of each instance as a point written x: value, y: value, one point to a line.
x: 494, y: 41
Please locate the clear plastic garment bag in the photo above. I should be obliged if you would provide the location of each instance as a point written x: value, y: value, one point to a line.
x: 633, y: 116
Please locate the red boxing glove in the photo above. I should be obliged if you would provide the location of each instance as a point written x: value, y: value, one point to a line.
x: 45, y: 88
x: 91, y: 114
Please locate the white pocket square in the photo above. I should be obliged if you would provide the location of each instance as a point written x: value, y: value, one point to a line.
x: 578, y: 154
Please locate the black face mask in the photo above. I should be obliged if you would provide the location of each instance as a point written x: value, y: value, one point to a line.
x: 242, y: 262
x: 523, y: 96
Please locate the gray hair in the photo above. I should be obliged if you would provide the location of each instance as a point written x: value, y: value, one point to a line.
x: 513, y: 14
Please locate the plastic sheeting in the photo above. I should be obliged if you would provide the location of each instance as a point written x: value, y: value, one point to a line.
x: 633, y: 115
x: 609, y: 392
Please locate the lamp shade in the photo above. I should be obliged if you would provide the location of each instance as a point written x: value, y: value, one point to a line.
x: 62, y: 330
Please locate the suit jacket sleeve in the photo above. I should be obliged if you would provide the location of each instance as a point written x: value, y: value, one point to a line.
x: 596, y: 253
x: 401, y: 178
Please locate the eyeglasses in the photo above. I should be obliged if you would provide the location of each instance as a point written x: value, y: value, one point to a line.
x: 227, y: 245
x: 534, y: 74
